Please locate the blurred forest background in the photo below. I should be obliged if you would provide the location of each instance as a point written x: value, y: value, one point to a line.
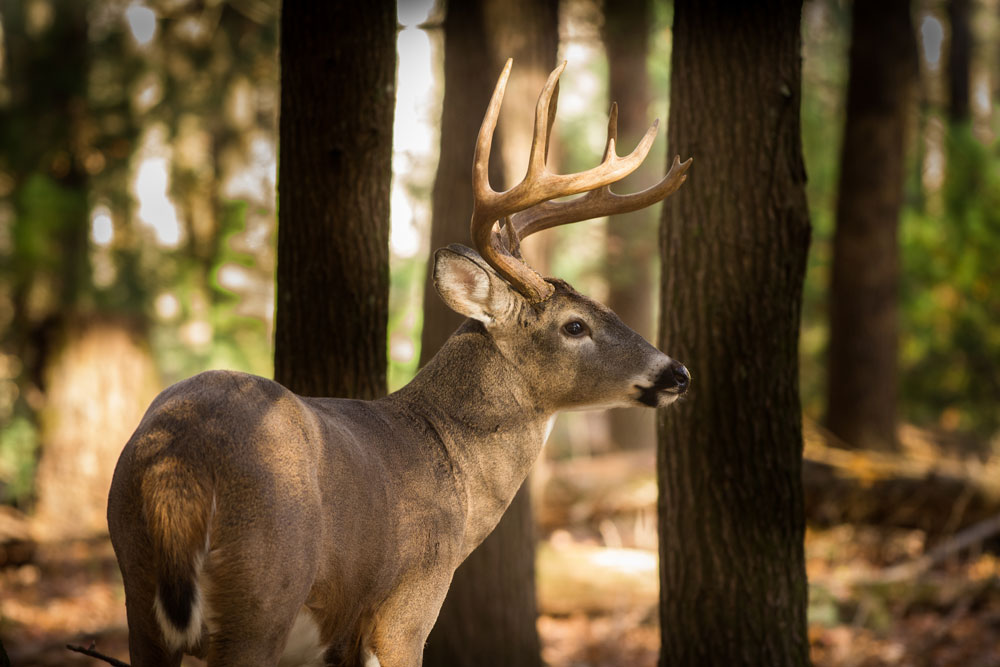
x: 138, y: 169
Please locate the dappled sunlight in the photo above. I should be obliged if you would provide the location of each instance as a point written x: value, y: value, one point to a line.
x: 931, y: 36
x: 159, y: 160
x: 151, y: 187
x: 141, y: 23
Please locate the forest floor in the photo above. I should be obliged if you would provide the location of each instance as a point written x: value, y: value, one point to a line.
x: 598, y: 602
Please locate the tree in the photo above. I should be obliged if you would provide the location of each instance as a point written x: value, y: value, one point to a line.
x: 338, y: 63
x: 862, y: 385
x: 629, y: 260
x: 734, y: 241
x: 959, y: 60
x: 489, y: 615
x: 468, y: 85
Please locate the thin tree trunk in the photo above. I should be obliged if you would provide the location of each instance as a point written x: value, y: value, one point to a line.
x: 489, y: 615
x: 338, y: 64
x: 862, y: 376
x: 734, y: 241
x: 959, y: 60
x: 629, y: 251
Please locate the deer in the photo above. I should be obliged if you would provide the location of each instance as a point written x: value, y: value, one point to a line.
x: 253, y: 526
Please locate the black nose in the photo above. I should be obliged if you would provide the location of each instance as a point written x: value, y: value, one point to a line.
x: 681, y: 377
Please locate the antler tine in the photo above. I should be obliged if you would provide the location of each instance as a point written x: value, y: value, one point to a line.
x: 609, y: 146
x: 527, y: 207
x: 484, y: 142
x: 598, y: 203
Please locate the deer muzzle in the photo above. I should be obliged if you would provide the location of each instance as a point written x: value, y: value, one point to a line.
x: 667, y: 386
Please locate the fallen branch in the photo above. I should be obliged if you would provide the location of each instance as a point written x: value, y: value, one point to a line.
x: 94, y: 654
x: 962, y: 540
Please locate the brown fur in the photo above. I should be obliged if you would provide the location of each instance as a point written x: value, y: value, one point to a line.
x: 358, y: 511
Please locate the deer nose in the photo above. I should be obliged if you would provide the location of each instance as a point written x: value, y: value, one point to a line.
x: 682, y: 377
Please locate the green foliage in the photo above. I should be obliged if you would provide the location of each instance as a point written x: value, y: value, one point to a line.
x: 18, y: 445
x: 231, y: 339
x: 950, y: 342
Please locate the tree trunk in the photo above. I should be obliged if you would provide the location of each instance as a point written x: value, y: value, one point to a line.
x: 734, y: 241
x: 469, y: 71
x: 338, y: 64
x: 528, y: 32
x: 862, y: 375
x: 629, y: 249
x: 99, y: 378
x: 489, y: 615
x: 959, y: 60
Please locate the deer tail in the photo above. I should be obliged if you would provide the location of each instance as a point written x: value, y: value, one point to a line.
x: 178, y: 512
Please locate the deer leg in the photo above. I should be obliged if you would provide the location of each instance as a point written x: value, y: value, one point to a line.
x: 405, y: 620
x: 146, y: 647
x: 254, y: 590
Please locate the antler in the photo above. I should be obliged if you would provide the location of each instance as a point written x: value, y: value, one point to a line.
x: 500, y: 220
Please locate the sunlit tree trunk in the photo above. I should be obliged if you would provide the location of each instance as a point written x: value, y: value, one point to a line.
x: 98, y: 380
x: 338, y: 65
x: 488, y: 617
x: 630, y: 248
x: 528, y: 32
x: 862, y: 362
x: 734, y: 241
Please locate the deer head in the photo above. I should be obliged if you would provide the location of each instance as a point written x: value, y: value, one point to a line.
x: 579, y: 353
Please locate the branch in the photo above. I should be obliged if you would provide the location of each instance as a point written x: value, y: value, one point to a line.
x: 972, y: 535
x: 94, y: 654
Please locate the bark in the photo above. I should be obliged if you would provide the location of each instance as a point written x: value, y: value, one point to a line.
x: 959, y: 60
x: 338, y: 63
x: 629, y: 254
x: 98, y: 380
x: 469, y: 77
x: 862, y: 375
x: 489, y: 615
x: 734, y: 241
x: 528, y: 32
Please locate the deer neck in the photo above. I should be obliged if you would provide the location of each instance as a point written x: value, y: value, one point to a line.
x: 481, y: 409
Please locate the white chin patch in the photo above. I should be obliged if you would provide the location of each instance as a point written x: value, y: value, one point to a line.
x: 664, y: 399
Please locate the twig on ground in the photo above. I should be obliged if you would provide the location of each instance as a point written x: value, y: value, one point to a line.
x: 964, y: 539
x: 100, y: 656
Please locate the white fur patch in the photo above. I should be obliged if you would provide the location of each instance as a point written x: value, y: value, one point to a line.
x: 663, y: 399
x: 303, y: 648
x: 371, y: 660
x: 180, y: 639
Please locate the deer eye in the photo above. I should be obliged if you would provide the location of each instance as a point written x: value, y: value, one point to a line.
x: 575, y: 328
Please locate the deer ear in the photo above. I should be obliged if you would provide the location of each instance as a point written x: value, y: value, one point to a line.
x: 470, y: 287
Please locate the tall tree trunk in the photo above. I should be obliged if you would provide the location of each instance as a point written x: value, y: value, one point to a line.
x: 959, y: 60
x: 862, y: 366
x: 338, y: 64
x: 469, y: 71
x: 489, y: 615
x: 734, y: 242
x: 629, y: 251
x: 528, y: 32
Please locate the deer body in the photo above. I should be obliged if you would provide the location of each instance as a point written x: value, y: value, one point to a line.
x: 257, y: 527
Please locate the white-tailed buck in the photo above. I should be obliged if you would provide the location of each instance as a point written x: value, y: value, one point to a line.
x: 257, y: 527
